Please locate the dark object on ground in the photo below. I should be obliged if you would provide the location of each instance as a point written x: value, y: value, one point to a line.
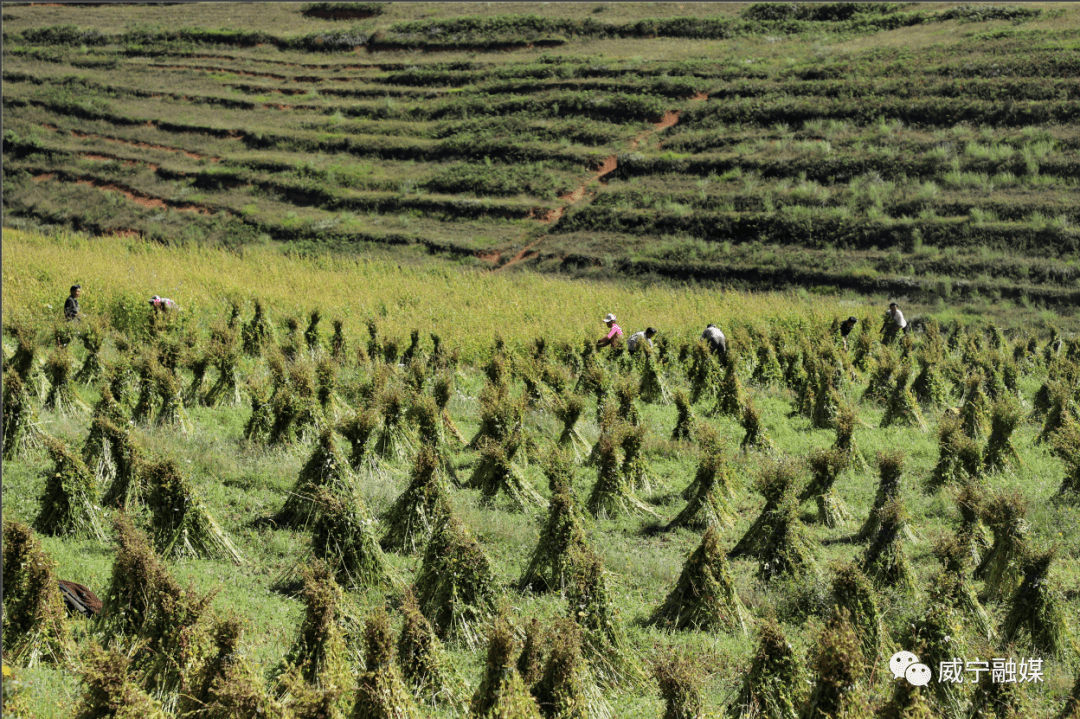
x: 80, y: 599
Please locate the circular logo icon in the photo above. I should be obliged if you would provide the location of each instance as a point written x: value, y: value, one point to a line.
x: 918, y: 674
x: 900, y: 662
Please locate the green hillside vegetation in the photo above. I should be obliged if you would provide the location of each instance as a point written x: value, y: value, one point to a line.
x: 300, y: 537
x: 927, y: 151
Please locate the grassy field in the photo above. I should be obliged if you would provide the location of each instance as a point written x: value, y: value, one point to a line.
x: 923, y: 151
x: 244, y: 482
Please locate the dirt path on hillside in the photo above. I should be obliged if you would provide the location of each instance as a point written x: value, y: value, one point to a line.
x: 609, y: 165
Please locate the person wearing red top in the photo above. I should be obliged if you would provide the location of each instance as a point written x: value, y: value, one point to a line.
x: 613, y: 335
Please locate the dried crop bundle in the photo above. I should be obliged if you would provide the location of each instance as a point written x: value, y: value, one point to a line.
x: 326, y: 467
x: 704, y: 596
x: 563, y: 533
x: 22, y: 428
x: 497, y: 472
x: 110, y: 690
x: 890, y: 472
x: 1038, y: 612
x: 1005, y: 513
x: 685, y: 419
x: 455, y: 585
x: 502, y: 693
x: 769, y: 688
x: 610, y: 496
x: 182, y: 523
x: 680, y: 686
x: 589, y: 605
x: 566, y: 687
x: 394, y: 440
x: 709, y: 504
x: 69, y: 502
x: 654, y: 389
x: 343, y: 536
x: 756, y: 437
x: 318, y: 653
x: 852, y: 591
x: 567, y: 408
x: 62, y: 397
x: 956, y: 566
x: 425, y: 666
x: 902, y: 407
x: 1067, y: 447
x: 1005, y: 415
x: 35, y: 626
x: 838, y: 665
x: 776, y: 483
x: 825, y: 467
x: 225, y: 356
x: 419, y: 509
x: 885, y: 560
x: 381, y: 692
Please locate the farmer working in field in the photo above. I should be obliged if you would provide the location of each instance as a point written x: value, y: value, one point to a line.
x: 163, y: 304
x: 614, y: 333
x: 894, y: 322
x: 71, y: 305
x: 636, y: 339
x: 717, y: 341
x: 845, y: 329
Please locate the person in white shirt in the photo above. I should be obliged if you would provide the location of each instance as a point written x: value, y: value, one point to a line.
x: 717, y: 341
x: 894, y: 322
x: 635, y: 339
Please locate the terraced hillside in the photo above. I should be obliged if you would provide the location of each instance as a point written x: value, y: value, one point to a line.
x: 922, y: 150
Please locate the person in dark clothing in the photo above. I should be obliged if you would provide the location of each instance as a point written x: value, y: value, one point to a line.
x: 71, y: 305
x: 717, y: 341
x: 845, y: 329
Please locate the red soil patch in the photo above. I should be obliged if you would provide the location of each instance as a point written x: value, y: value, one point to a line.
x: 125, y: 233
x: 143, y: 145
x: 278, y: 107
x: 46, y: 176
x: 114, y: 158
x: 491, y: 257
x: 141, y: 198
